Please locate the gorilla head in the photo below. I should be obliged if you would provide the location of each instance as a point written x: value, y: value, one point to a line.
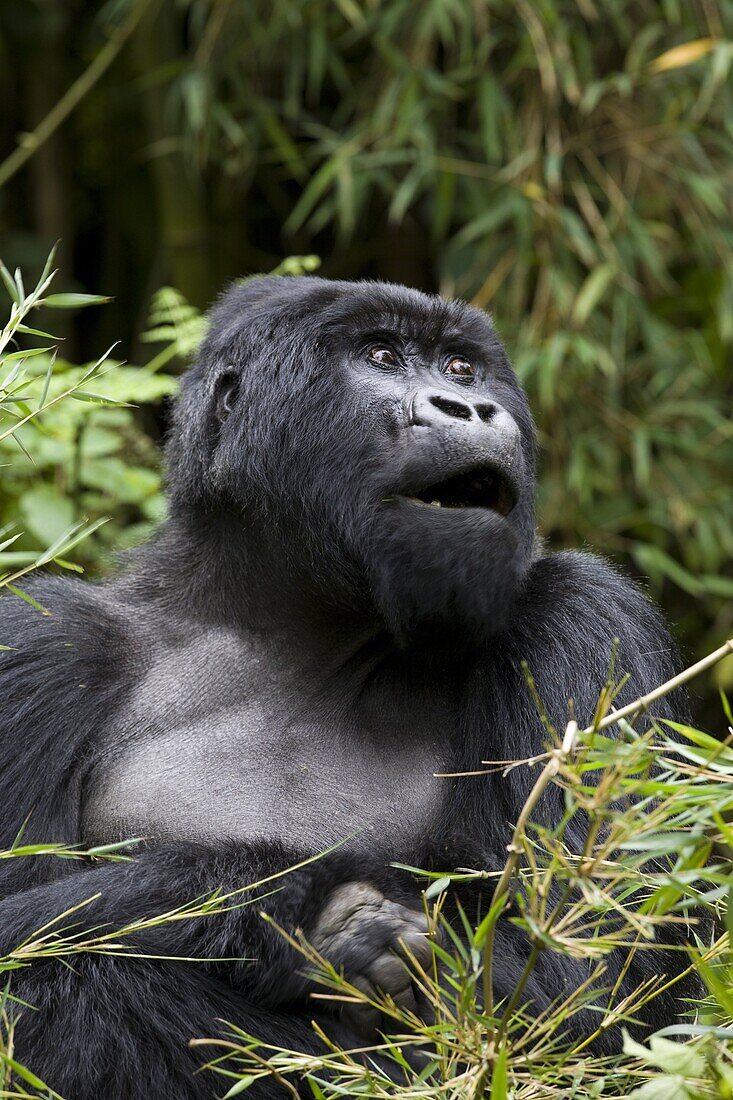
x: 366, y: 447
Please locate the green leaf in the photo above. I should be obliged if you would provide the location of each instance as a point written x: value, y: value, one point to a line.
x: 656, y: 561
x: 673, y: 1058
x: 405, y: 194
x: 592, y: 291
x: 26, y: 1075
x: 717, y: 586
x: 47, y: 380
x: 19, y: 282
x: 499, y: 1083
x: 9, y: 282
x: 24, y: 596
x: 46, y: 274
x: 242, y: 1084
x: 69, y: 539
x: 677, y: 1058
x: 46, y: 513
x: 662, y: 1088
x: 136, y: 386
x: 36, y: 332
x: 98, y: 399
x: 71, y: 566
x: 129, y: 484
x: 727, y: 709
x: 498, y: 906
x: 113, y: 847
x: 5, y: 543
x: 26, y: 353
x: 71, y: 300
x: 317, y: 187
x: 439, y: 886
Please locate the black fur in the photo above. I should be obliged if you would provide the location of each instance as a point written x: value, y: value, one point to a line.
x: 293, y: 575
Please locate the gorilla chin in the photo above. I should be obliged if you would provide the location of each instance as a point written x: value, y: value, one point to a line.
x: 444, y: 576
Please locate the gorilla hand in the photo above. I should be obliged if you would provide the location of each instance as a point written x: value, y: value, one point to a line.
x: 370, y: 938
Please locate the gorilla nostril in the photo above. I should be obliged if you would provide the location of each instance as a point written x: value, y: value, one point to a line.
x: 486, y: 412
x: 451, y: 408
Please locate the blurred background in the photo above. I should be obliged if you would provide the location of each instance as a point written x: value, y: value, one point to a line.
x: 566, y: 164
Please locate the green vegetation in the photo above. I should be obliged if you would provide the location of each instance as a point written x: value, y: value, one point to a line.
x: 81, y: 459
x: 567, y: 164
x: 655, y: 805
x: 34, y: 387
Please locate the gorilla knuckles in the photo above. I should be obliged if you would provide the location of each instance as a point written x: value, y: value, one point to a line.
x: 337, y: 608
x: 373, y: 941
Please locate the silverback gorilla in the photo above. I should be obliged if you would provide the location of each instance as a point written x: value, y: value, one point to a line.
x: 336, y: 609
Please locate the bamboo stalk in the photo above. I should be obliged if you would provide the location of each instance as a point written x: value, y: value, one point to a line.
x: 71, y: 99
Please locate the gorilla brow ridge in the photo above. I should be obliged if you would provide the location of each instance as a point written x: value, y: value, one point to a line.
x: 421, y: 318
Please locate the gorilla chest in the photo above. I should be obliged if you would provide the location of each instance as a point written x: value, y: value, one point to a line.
x: 240, y: 754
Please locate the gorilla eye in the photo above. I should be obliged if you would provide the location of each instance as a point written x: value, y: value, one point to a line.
x: 458, y: 367
x: 383, y: 356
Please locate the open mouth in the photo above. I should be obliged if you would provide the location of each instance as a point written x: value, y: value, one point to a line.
x: 473, y: 489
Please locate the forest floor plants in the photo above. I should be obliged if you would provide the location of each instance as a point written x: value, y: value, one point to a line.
x: 28, y: 395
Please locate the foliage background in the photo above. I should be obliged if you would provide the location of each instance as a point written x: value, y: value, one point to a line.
x: 566, y: 164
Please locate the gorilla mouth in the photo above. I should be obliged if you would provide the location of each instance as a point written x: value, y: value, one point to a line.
x: 483, y: 488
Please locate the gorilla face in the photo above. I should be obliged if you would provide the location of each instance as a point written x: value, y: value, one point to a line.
x: 378, y: 435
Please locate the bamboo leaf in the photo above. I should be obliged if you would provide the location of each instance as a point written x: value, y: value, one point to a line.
x: 679, y: 56
x: 71, y: 300
x: 592, y: 291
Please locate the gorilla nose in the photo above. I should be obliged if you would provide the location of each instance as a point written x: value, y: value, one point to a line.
x: 442, y: 410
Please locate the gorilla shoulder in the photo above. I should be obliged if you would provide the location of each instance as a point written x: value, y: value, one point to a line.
x: 70, y: 657
x: 572, y: 607
x: 64, y: 627
x: 573, y: 586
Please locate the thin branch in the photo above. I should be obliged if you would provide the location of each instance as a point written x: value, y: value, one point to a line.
x: 644, y: 701
x: 501, y: 890
x: 30, y: 143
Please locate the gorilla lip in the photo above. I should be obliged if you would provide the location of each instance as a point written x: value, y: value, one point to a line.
x: 484, y: 488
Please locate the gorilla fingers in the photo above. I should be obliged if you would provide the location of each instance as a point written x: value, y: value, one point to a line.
x: 372, y: 941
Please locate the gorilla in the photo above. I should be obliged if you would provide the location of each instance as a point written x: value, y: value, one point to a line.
x: 335, y: 612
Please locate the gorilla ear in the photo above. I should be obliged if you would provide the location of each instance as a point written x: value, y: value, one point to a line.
x: 225, y: 394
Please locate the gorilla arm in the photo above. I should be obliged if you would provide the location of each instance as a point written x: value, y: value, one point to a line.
x: 571, y: 609
x: 353, y: 924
